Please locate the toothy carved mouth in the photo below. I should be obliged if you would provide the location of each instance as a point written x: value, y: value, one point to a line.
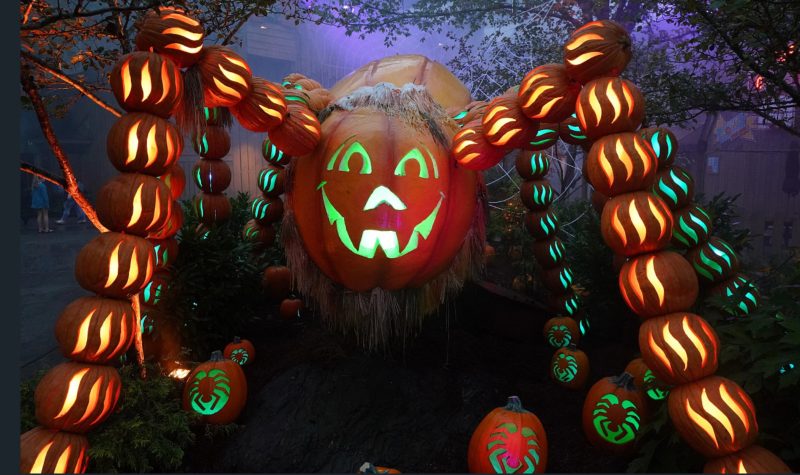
x: 372, y: 239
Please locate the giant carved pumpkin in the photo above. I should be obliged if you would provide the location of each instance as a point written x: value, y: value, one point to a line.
x: 598, y: 48
x: 115, y: 265
x: 379, y: 203
x: 76, y: 397
x: 134, y: 203
x: 226, y: 76
x: 714, y: 415
x: 45, y: 450
x: 547, y: 94
x: 509, y: 439
x: 95, y: 329
x: 609, y: 106
x: 656, y: 284
x: 620, y: 163
x: 143, y: 143
x: 679, y: 347
x: 613, y: 412
x: 216, y: 390
x: 263, y: 109
x: 636, y: 223
x: 171, y: 32
x: 147, y: 82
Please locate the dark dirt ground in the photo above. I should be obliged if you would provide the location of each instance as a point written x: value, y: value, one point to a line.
x: 318, y: 403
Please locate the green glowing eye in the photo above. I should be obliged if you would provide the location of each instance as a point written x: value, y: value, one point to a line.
x: 460, y: 115
x: 415, y: 154
x: 513, y: 451
x: 621, y: 432
x: 206, y: 403
x: 354, y: 148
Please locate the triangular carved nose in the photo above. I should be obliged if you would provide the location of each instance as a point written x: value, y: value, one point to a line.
x: 383, y: 195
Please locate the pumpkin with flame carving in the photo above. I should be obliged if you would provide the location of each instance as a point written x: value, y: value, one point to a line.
x: 115, y: 265
x: 143, y: 143
x: 636, y: 223
x: 134, y: 203
x: 263, y: 109
x: 76, y: 397
x: 598, y: 48
x: 43, y: 450
x: 753, y: 459
x: 95, y: 329
x: 299, y: 132
x: 620, y: 163
x: 548, y: 94
x: 657, y: 284
x: 679, y: 347
x: 147, y: 82
x: 171, y: 32
x: 472, y: 149
x: 227, y: 78
x: 609, y: 106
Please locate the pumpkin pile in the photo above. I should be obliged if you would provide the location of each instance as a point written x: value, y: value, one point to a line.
x: 713, y: 414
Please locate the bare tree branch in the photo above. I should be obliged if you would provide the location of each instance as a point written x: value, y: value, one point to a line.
x: 43, y: 174
x: 77, y: 14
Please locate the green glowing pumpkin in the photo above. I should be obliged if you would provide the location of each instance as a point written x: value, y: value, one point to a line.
x: 216, y: 390
x: 612, y: 414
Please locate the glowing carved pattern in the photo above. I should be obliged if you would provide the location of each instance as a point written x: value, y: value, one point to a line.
x: 614, y: 100
x: 580, y: 40
x: 240, y: 356
x: 512, y: 450
x: 72, y: 392
x: 616, y: 432
x: 559, y: 336
x: 565, y: 368
x: 133, y: 143
x: 652, y: 277
x: 211, y: 396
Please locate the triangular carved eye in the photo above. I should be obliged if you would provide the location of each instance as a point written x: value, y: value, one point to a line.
x: 354, y: 148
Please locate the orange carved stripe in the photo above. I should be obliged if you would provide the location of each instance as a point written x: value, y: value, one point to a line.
x: 579, y: 41
x: 659, y: 353
x: 595, y: 103
x: 701, y: 422
x: 536, y: 93
x: 618, y: 226
x: 698, y: 344
x: 614, y: 100
x: 41, y: 457
x: 72, y: 392
x: 94, y: 396
x: 113, y: 266
x: 660, y: 217
x: 641, y: 230
x: 83, y: 333
x: 164, y: 82
x: 146, y: 82
x: 584, y: 57
x: 717, y: 414
x: 526, y: 84
x: 623, y: 156
x: 628, y: 99
x: 654, y: 280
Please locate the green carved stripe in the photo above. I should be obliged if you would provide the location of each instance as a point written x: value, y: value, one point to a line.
x: 669, y: 146
x: 656, y: 146
x: 684, y: 186
x: 666, y: 190
x: 722, y: 254
x: 202, y: 209
x: 710, y: 263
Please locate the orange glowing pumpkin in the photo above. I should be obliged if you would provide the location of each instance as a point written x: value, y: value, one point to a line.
x: 212, y: 208
x: 147, y: 82
x: 115, y: 265
x: 549, y: 253
x: 657, y: 284
x: 636, y: 223
x: 173, y: 33
x: 211, y: 176
x: 226, y: 76
x: 45, y: 450
x: 277, y: 280
x: 76, y: 397
x: 620, y: 163
x: 134, y: 203
x: 143, y: 143
x: 95, y: 329
x: 175, y: 180
x: 598, y: 48
x: 172, y: 226
x: 263, y: 109
x: 212, y: 143
x: 679, y: 347
x: 299, y: 133
x: 753, y: 459
x: 505, y: 125
x: 609, y: 106
x: 547, y: 94
x: 664, y: 144
x: 714, y: 416
x: 472, y: 150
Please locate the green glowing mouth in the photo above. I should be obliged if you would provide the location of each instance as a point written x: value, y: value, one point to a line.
x: 371, y: 239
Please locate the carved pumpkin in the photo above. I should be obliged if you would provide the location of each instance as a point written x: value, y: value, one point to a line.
x: 173, y: 33
x: 753, y: 459
x: 598, y: 48
x: 549, y: 253
x: 175, y: 180
x: 213, y: 143
x: 76, y: 397
x: 609, y: 106
x: 636, y: 223
x: 657, y: 284
x: 147, y: 82
x: 266, y: 210
x: 465, y: 115
x: 390, y: 202
x: 558, y: 279
x: 546, y: 136
x: 542, y: 225
x: 569, y: 130
x: 679, y: 347
x: 537, y: 195
x: 613, y: 412
x: 143, y: 143
x: 547, y: 94
x: 569, y: 367
x: 216, y: 115
x: 663, y: 143
x: 299, y: 133
x: 297, y: 96
x: 212, y: 207
x: 505, y: 125
x: 318, y: 99
x: 256, y: 233
x: 290, y: 309
x: 216, y: 390
x: 713, y: 415
x: 299, y: 81
x: 227, y: 77
x: 532, y: 165
x: 675, y: 186
x: 134, y: 203
x: 172, y: 226
x: 240, y: 351
x: 568, y: 303
x: 165, y: 251
x: 263, y: 109
x: 645, y: 381
x: 740, y: 295
x: 211, y: 176
x: 560, y: 332
x: 277, y: 281
x: 620, y: 163
x: 45, y: 450
x: 714, y: 261
x: 115, y: 265
x: 692, y: 226
x: 95, y: 329
x: 273, y: 155
x: 509, y: 439
x: 155, y: 289
x: 472, y: 150
x: 270, y: 181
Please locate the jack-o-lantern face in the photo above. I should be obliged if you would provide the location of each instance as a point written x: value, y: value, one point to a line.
x: 387, y: 207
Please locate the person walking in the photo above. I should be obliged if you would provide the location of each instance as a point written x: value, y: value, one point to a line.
x: 69, y: 205
x: 41, y: 203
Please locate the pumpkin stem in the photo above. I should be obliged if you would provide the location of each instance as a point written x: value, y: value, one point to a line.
x: 514, y: 404
x: 625, y: 380
x: 572, y: 347
x: 216, y: 356
x: 236, y: 339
